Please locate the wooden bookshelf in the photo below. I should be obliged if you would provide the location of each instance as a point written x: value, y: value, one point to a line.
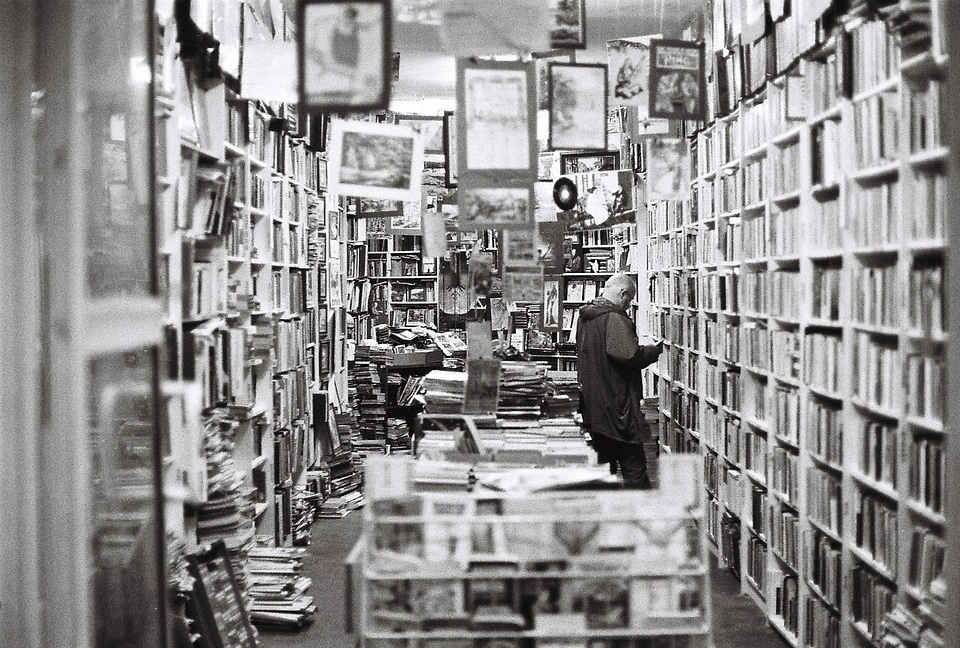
x: 802, y: 287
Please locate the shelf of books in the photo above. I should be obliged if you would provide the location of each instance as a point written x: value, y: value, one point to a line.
x: 608, y: 567
x: 800, y: 291
x: 241, y: 211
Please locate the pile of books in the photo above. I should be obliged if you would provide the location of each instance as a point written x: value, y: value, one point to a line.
x: 371, y: 393
x: 229, y: 518
x: 443, y: 391
x: 522, y: 389
x: 562, y: 397
x: 278, y: 588
x: 398, y: 436
x: 339, y: 506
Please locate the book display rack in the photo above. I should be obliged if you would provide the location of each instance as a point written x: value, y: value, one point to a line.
x: 611, y: 567
x: 800, y: 291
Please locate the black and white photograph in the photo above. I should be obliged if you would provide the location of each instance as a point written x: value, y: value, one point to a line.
x: 495, y: 208
x: 677, y: 81
x: 570, y: 24
x: 668, y: 168
x: 550, y: 321
x: 588, y: 162
x: 496, y: 119
x: 541, y: 62
x: 430, y: 129
x: 578, y: 106
x: 628, y: 64
x: 345, y: 55
x: 604, y: 199
x: 371, y: 160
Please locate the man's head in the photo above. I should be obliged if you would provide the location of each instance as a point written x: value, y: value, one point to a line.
x: 619, y: 289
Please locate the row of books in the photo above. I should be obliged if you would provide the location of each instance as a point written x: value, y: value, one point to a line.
x: 824, y: 567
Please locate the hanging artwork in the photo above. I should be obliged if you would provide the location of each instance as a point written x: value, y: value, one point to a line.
x: 668, y: 168
x: 587, y: 162
x: 578, y: 106
x: 345, y: 55
x: 628, y: 63
x: 603, y: 199
x: 550, y: 320
x: 677, y: 80
x: 372, y: 160
x: 409, y: 220
x: 570, y: 24
x: 496, y: 122
x: 495, y: 208
x: 541, y: 62
x: 430, y: 129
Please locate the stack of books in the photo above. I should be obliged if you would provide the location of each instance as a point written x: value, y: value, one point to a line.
x: 278, y: 588
x: 398, y: 436
x: 562, y: 397
x: 522, y: 390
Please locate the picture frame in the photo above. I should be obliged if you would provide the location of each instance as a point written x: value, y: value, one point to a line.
x: 378, y: 208
x: 628, y: 69
x: 578, y: 106
x: 373, y: 160
x: 541, y: 63
x: 550, y: 319
x: 668, y: 168
x: 495, y: 208
x: 589, y: 161
x: 678, y: 86
x: 321, y: 172
x: 604, y: 199
x: 344, y: 55
x: 570, y: 24
x: 496, y: 128
x: 451, y: 176
x: 430, y: 129
x: 520, y: 248
x: 408, y: 219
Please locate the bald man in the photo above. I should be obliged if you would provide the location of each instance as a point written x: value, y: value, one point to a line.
x: 610, y: 359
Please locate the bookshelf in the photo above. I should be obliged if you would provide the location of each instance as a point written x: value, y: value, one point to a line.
x: 243, y: 243
x: 801, y: 291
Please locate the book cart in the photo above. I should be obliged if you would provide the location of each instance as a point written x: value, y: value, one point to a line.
x: 598, y: 568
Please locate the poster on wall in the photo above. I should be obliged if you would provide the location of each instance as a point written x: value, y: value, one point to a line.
x: 603, y: 199
x: 578, y: 106
x: 668, y: 168
x: 372, y: 160
x: 550, y: 320
x: 677, y: 80
x: 344, y: 55
x: 628, y: 68
x: 496, y: 122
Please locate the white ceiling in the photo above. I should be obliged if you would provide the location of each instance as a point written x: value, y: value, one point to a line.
x: 428, y: 72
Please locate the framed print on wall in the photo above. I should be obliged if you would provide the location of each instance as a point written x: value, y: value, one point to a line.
x: 344, y: 55
x: 578, y: 106
x: 450, y: 148
x: 541, y: 63
x: 589, y: 161
x: 495, y: 208
x: 372, y: 160
x: 429, y: 127
x: 570, y: 24
x: 677, y: 80
x: 496, y: 122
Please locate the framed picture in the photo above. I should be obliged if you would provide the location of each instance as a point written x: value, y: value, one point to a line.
x: 570, y: 24
x: 496, y: 208
x: 497, y: 122
x: 430, y: 129
x: 541, y: 63
x: 378, y: 208
x: 677, y: 80
x: 450, y: 148
x: 628, y: 66
x: 409, y: 219
x: 333, y: 223
x: 604, y: 199
x: 519, y: 249
x: 550, y: 321
x: 589, y: 161
x: 578, y: 106
x: 371, y: 160
x: 321, y: 173
x: 668, y: 168
x: 344, y: 55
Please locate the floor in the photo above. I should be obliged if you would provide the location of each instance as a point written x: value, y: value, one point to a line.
x: 737, y: 620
